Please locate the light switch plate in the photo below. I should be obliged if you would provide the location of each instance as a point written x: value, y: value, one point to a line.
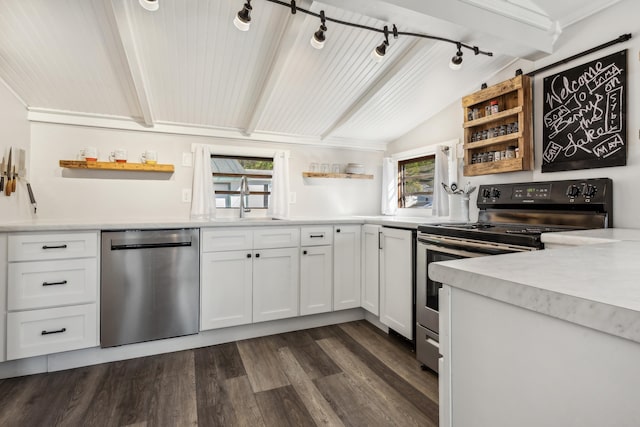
x: 292, y: 197
x: 187, y: 159
x: 186, y: 195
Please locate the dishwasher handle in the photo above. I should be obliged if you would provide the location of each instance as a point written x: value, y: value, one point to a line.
x: 126, y: 246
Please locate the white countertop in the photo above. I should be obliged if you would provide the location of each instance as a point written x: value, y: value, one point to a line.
x: 597, y: 286
x: 590, y: 237
x: 132, y: 223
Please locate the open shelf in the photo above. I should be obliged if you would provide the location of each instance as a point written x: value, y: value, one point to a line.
x: 114, y: 166
x: 336, y: 175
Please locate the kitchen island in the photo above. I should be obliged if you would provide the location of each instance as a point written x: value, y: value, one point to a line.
x: 541, y: 338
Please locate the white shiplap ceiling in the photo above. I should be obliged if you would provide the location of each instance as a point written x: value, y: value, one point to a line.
x: 186, y: 68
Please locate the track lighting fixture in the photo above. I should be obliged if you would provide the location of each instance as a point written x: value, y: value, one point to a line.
x: 456, y: 61
x: 318, y: 38
x: 242, y: 21
x: 151, y: 5
x: 379, y: 52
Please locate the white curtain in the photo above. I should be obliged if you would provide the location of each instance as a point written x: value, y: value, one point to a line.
x: 389, y: 186
x: 203, y: 198
x: 440, y: 206
x: 279, y: 204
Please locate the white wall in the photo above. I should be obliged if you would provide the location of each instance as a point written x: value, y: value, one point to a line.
x: 102, y: 195
x: 603, y: 27
x: 14, y: 132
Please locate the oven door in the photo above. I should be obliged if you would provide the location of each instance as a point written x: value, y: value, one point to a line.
x: 427, y: 289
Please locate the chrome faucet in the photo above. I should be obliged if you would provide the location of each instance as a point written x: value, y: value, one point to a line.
x: 244, y: 193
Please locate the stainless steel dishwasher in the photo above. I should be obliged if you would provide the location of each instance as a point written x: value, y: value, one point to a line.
x: 149, y: 285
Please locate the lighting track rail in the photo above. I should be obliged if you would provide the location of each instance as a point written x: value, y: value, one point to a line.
x: 456, y: 61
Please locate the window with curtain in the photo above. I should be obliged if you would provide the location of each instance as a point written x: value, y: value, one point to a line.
x: 415, y: 182
x: 227, y: 174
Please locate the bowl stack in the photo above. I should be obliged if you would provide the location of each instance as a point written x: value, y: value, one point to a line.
x: 354, y: 168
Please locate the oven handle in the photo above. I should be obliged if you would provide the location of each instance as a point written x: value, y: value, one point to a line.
x: 443, y: 244
x: 451, y: 251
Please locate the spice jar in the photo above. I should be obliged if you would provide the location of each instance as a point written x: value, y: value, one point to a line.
x: 511, y: 152
x: 494, y: 106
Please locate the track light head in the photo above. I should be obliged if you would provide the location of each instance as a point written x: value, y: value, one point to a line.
x: 456, y: 61
x: 318, y: 39
x: 242, y: 21
x: 379, y: 52
x: 151, y: 5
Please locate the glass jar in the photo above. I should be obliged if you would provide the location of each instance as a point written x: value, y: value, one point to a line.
x: 511, y: 152
x: 495, y: 108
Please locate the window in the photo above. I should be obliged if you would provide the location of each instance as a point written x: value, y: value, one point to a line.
x: 228, y: 172
x: 415, y: 182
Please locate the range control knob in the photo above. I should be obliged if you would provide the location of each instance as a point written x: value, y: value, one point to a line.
x: 495, y: 193
x: 590, y: 191
x: 573, y: 191
x: 486, y: 193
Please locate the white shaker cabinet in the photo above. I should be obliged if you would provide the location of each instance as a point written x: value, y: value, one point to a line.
x: 370, y: 293
x: 226, y: 289
x: 396, y: 280
x: 275, y: 284
x: 51, y: 292
x: 248, y: 275
x: 346, y: 266
x: 316, y: 270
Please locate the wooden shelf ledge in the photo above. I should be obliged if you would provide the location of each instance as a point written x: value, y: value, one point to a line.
x: 493, y: 117
x: 336, y: 175
x: 113, y: 166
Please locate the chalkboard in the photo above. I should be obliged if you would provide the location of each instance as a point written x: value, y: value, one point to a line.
x: 584, y: 110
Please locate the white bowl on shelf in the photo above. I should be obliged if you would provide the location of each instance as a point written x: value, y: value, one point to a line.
x: 354, y: 168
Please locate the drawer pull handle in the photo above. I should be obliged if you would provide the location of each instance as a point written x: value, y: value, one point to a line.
x: 55, y: 247
x: 316, y: 235
x: 59, y: 331
x: 64, y: 282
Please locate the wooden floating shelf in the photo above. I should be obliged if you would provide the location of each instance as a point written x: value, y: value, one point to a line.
x: 114, y: 166
x: 336, y: 175
x: 499, y: 166
x: 493, y: 141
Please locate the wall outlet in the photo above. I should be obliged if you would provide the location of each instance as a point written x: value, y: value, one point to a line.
x: 187, y: 159
x: 186, y: 195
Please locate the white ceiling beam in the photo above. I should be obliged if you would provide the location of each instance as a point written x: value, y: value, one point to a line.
x: 120, y: 21
x: 286, y: 40
x: 415, y: 48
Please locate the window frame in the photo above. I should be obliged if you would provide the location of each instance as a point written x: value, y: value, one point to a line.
x: 427, y: 150
x: 401, y: 180
x: 229, y: 193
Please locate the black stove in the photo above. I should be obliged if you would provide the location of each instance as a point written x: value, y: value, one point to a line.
x: 517, y: 214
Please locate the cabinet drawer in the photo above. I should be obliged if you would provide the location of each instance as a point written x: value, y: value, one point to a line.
x: 52, y: 330
x: 316, y: 236
x: 277, y: 237
x: 43, y: 246
x: 229, y: 239
x: 41, y: 284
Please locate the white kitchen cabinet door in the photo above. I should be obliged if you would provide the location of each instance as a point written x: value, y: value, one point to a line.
x: 346, y: 266
x: 396, y: 280
x: 226, y: 289
x: 370, y: 268
x: 316, y: 280
x: 275, y: 283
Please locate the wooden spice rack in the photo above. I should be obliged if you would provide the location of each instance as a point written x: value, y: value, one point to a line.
x: 114, y: 166
x: 515, y: 103
x: 336, y: 175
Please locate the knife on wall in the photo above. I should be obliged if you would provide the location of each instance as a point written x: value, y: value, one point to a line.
x: 8, y: 185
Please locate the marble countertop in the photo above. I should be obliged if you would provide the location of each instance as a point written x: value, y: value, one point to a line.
x: 590, y: 237
x: 132, y: 223
x: 596, y: 286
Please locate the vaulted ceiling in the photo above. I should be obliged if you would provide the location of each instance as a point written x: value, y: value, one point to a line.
x: 185, y: 68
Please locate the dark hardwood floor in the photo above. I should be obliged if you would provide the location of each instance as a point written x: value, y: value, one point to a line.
x: 350, y: 374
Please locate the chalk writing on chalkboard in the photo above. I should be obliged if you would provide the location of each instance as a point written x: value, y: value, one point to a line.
x: 584, y: 123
